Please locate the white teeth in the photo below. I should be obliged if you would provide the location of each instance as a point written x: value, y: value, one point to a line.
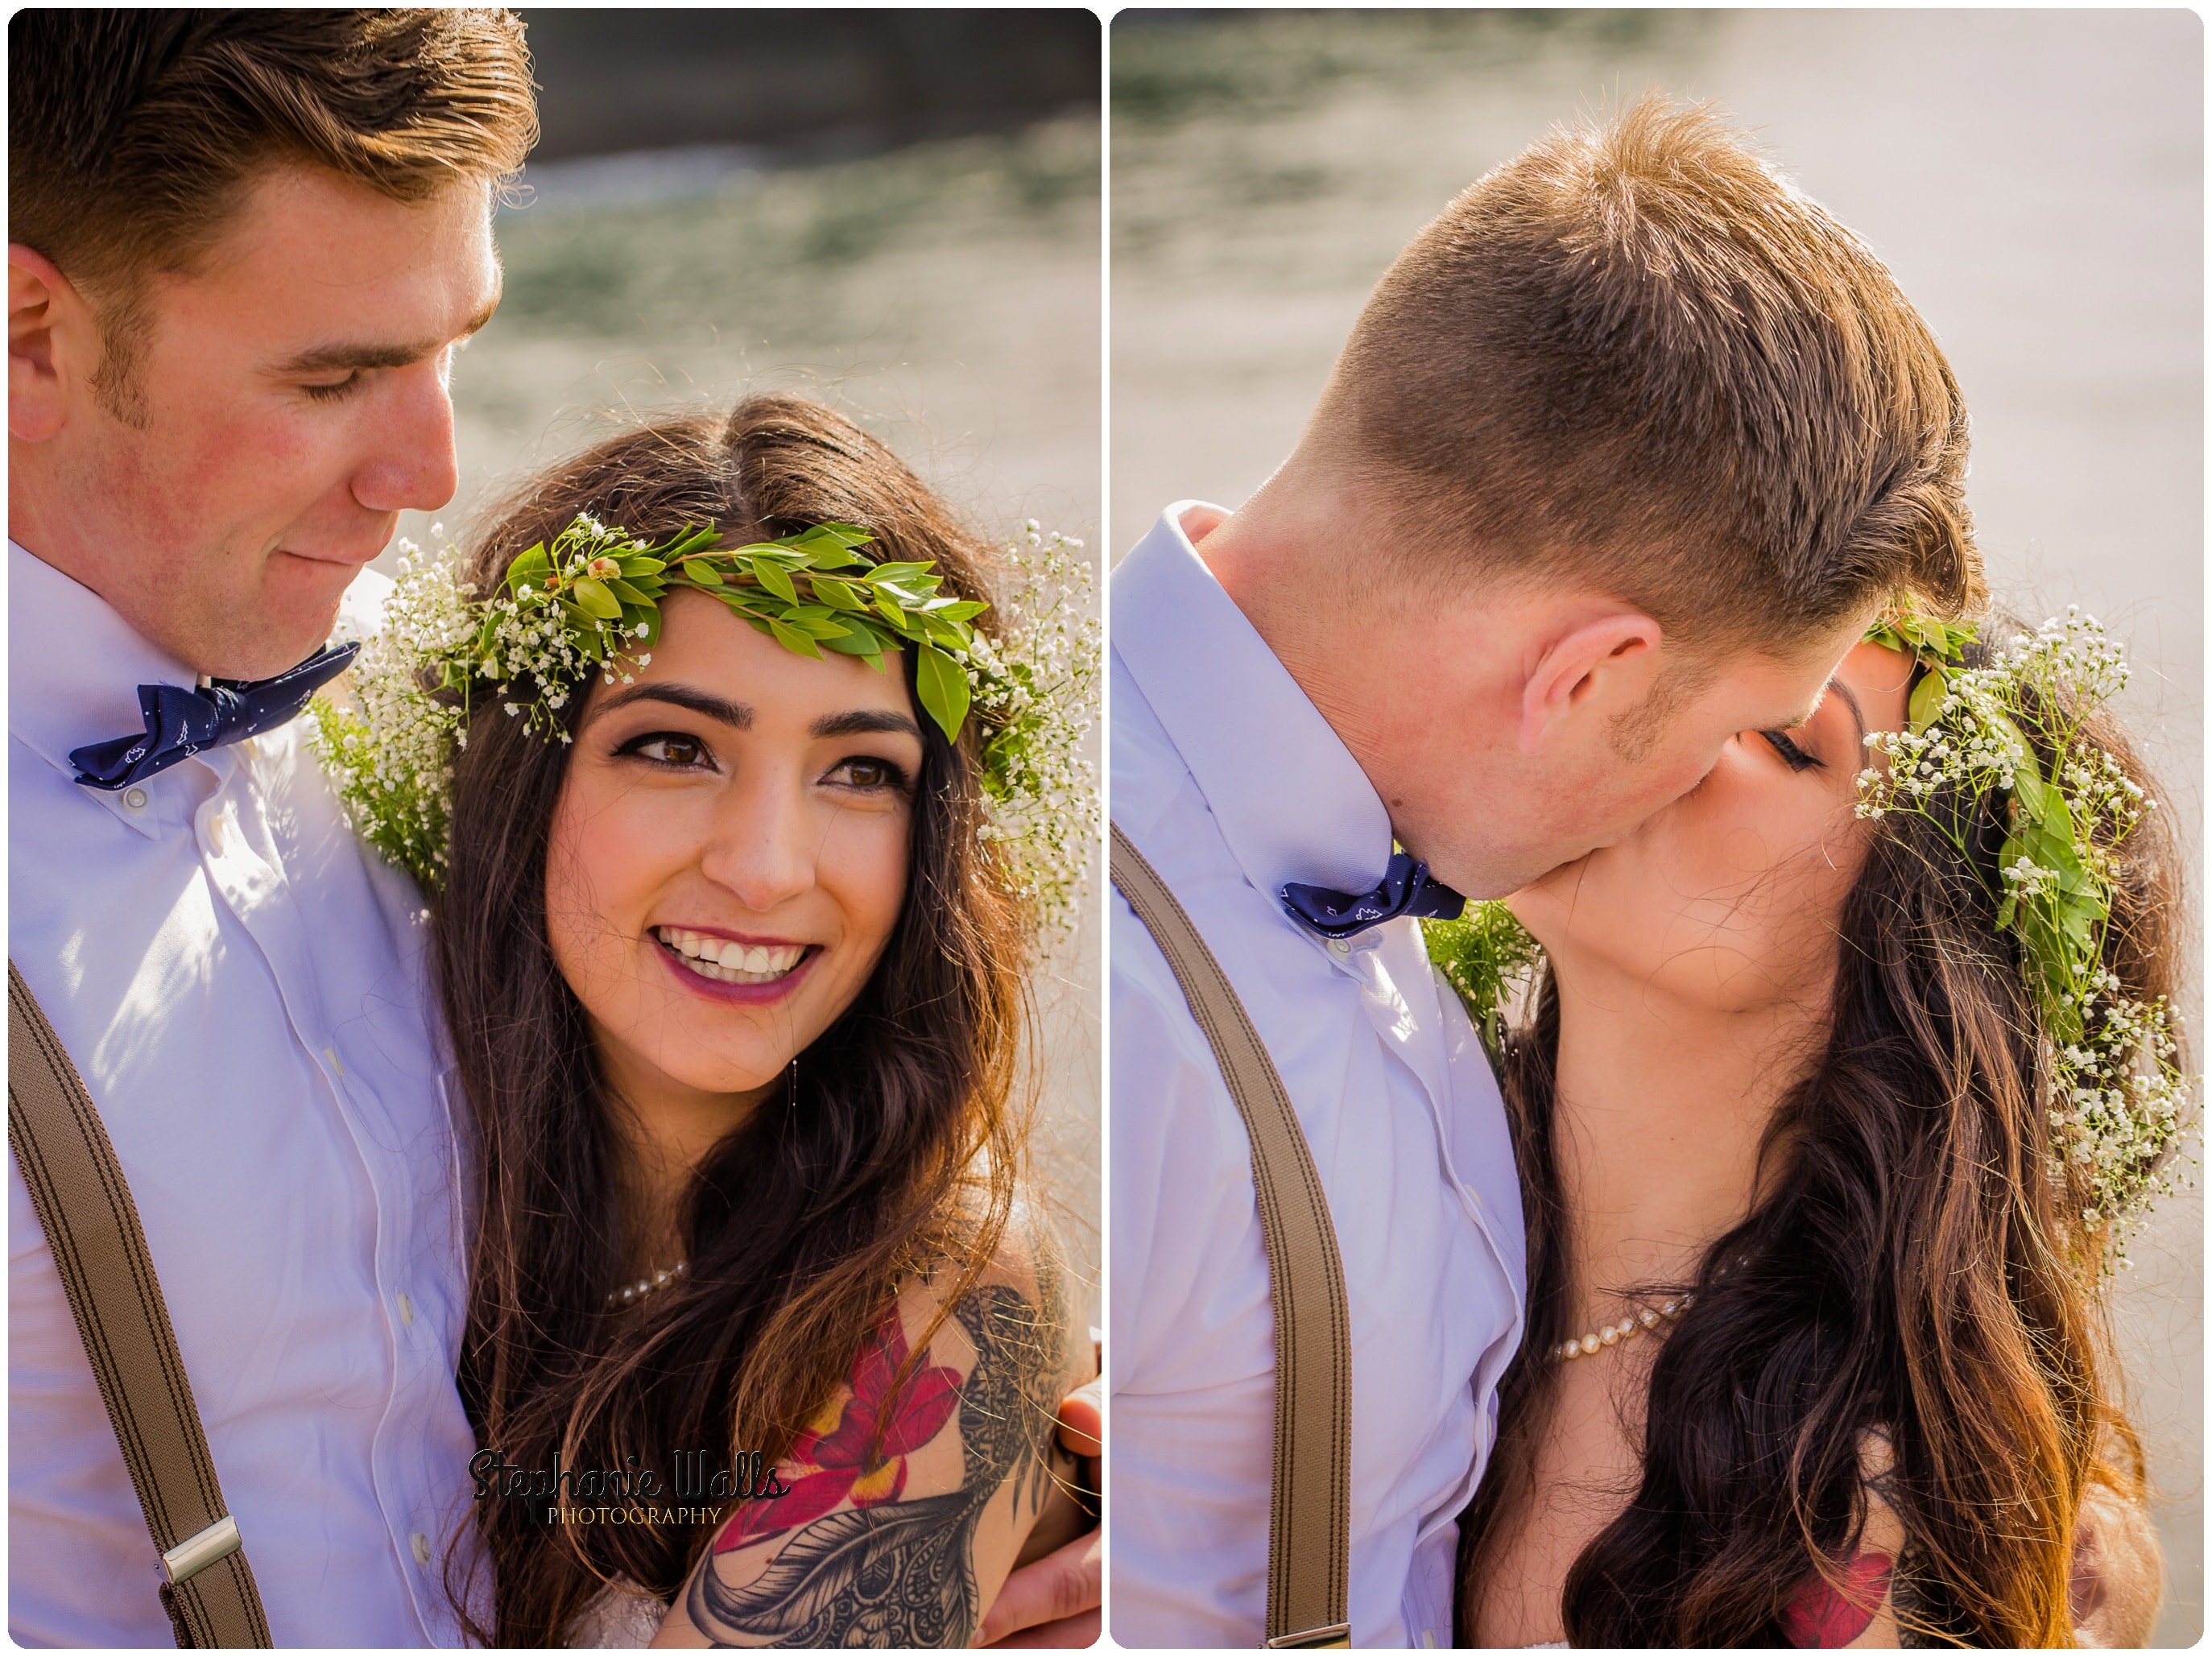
x: 728, y: 961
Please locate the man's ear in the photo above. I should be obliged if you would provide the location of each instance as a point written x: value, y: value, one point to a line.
x: 50, y: 327
x: 1604, y: 667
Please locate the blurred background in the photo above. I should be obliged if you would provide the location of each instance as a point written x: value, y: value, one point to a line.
x: 897, y: 212
x: 2033, y: 178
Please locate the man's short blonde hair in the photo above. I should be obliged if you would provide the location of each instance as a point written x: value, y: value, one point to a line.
x: 1637, y: 357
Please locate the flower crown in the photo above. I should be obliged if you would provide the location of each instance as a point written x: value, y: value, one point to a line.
x: 2115, y: 1110
x: 589, y: 602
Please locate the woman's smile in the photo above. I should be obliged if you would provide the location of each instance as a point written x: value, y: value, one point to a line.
x: 727, y: 968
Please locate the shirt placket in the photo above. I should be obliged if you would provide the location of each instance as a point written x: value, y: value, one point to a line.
x: 242, y: 866
x: 1395, y: 1019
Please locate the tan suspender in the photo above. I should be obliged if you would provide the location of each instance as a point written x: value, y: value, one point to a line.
x: 1310, y: 1522
x: 92, y: 1226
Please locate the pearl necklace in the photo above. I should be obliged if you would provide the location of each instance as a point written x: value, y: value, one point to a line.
x: 1635, y: 1324
x: 631, y: 1293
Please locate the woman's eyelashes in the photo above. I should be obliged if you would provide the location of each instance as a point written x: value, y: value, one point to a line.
x: 668, y: 749
x: 870, y: 773
x: 1792, y: 755
x: 673, y: 750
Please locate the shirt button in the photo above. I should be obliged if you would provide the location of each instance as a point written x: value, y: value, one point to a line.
x: 135, y: 799
x: 406, y: 1311
x: 1340, y: 947
x: 420, y: 1544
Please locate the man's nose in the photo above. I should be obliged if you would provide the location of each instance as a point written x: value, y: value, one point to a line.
x: 411, y: 461
x: 764, y: 842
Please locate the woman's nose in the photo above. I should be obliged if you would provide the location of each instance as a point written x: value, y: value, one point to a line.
x: 763, y: 843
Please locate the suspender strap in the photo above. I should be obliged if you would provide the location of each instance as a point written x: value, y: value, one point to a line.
x: 92, y: 1226
x: 1310, y: 1521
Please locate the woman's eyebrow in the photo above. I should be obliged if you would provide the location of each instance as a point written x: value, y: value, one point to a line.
x: 862, y: 722
x: 736, y: 715
x: 1851, y: 702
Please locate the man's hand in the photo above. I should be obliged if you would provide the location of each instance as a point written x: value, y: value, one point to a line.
x: 1055, y: 1601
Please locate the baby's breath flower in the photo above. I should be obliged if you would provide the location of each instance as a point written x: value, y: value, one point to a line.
x: 2115, y: 1103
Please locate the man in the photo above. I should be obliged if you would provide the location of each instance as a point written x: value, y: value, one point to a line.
x: 1623, y: 455
x: 247, y: 244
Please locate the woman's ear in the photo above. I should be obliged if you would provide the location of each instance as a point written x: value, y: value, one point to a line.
x: 1604, y: 668
x: 55, y: 346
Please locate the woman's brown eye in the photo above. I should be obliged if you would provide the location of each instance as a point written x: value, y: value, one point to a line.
x: 871, y: 774
x: 666, y: 747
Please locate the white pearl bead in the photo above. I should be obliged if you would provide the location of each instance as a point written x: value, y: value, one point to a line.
x: 1589, y: 1343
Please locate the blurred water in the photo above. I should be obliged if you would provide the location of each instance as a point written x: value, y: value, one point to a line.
x: 946, y: 295
x: 2033, y: 178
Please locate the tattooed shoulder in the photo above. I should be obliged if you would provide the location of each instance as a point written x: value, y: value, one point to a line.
x: 1857, y: 1600
x: 892, y: 1529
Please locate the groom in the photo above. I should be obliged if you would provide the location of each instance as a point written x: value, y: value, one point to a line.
x: 246, y: 246
x: 1625, y: 451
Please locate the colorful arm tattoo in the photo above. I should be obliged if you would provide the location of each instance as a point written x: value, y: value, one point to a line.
x: 892, y: 1570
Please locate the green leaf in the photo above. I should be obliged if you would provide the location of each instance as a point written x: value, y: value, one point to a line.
x: 943, y: 689
x: 792, y: 639
x: 593, y: 598
x: 855, y: 642
x: 879, y: 574
x: 628, y: 594
x: 1927, y: 696
x: 837, y: 593
x: 964, y: 609
x: 775, y: 580
x: 533, y: 566
x: 641, y: 565
x: 703, y: 573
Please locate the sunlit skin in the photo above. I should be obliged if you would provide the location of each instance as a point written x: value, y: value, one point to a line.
x: 1694, y: 959
x: 1726, y: 898
x: 740, y: 791
x: 1491, y: 723
x: 291, y: 401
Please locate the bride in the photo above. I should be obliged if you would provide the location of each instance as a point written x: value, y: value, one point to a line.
x: 1843, y: 1074
x: 737, y: 806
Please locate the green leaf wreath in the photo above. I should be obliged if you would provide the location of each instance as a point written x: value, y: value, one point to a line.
x: 589, y: 602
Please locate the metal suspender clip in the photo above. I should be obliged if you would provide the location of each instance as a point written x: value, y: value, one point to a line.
x: 196, y: 1553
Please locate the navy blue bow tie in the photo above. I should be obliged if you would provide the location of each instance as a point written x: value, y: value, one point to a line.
x: 181, y: 723
x: 1406, y: 889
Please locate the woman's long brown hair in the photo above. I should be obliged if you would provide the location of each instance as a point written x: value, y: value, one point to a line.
x: 1916, y: 1265
x: 900, y: 1156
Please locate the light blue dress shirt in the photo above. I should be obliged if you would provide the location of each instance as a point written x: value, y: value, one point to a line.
x: 1231, y: 783
x: 240, y: 985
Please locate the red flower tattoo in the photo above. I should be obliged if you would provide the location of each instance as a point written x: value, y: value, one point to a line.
x: 840, y: 1453
x: 1824, y: 1617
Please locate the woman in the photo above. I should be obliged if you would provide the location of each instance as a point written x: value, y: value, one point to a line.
x: 1817, y: 1352
x: 731, y: 966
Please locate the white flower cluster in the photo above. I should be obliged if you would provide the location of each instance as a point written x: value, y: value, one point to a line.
x: 2116, y: 1107
x: 1036, y: 696
x: 2117, y: 1101
x: 390, y: 756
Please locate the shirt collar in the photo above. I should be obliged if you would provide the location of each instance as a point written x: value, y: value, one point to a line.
x: 73, y: 665
x: 1291, y: 802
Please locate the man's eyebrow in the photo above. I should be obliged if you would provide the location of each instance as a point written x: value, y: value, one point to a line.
x: 347, y: 355
x: 736, y: 715
x: 865, y: 722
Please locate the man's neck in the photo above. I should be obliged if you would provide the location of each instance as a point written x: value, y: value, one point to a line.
x: 1661, y: 1107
